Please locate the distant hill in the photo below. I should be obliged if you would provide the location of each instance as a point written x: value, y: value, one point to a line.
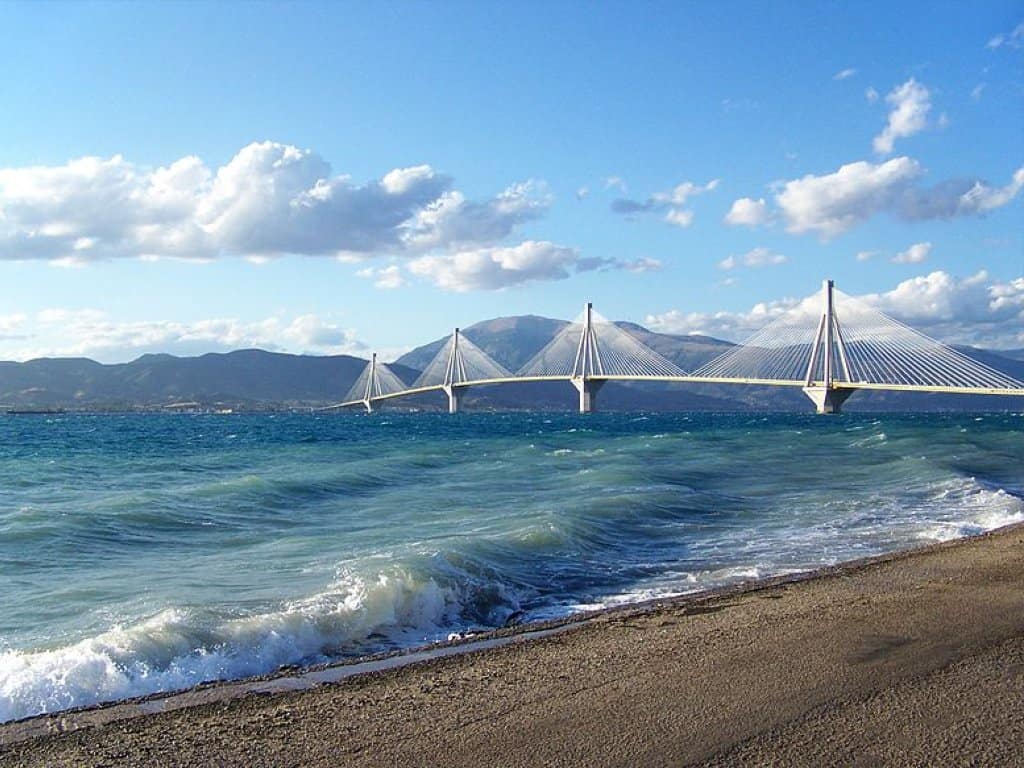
x: 255, y: 379
x: 512, y: 341
x: 244, y: 378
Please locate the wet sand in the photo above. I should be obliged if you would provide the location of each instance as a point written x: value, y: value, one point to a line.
x: 911, y: 659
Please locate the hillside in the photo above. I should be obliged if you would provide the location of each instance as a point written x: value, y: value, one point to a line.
x: 244, y: 378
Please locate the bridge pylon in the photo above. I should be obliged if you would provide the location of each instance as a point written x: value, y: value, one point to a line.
x: 828, y: 355
x: 371, y: 384
x: 587, y: 363
x: 454, y: 372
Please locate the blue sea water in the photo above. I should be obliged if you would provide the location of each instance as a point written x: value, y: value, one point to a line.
x: 142, y: 553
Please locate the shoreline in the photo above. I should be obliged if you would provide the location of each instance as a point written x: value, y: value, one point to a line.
x: 299, y: 678
x: 479, y: 651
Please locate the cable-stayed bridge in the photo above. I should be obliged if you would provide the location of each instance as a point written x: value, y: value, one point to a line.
x: 828, y: 347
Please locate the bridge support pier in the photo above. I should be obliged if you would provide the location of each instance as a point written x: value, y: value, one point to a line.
x: 454, y: 397
x: 368, y: 405
x: 588, y: 389
x: 827, y: 399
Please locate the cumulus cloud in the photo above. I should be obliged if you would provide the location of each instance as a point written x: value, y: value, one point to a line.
x: 60, y: 332
x: 976, y: 91
x: 733, y: 326
x: 836, y: 202
x: 871, y: 95
x: 844, y: 74
x: 915, y: 254
x: 758, y: 257
x: 387, y: 278
x: 615, y: 182
x: 981, y: 197
x: 602, y: 264
x: 910, y: 104
x: 582, y: 192
x: 958, y: 197
x: 670, y: 205
x: 1012, y: 39
x: 976, y: 310
x: 269, y: 199
x: 496, y: 268
x: 454, y: 222
x: 748, y: 212
x: 865, y: 255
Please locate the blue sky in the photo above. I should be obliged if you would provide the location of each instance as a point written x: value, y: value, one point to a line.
x: 325, y: 177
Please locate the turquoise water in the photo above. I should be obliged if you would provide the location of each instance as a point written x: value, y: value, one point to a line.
x: 141, y: 553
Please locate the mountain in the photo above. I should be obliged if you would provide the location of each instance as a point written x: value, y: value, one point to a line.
x: 512, y: 341
x: 255, y: 379
x: 244, y: 378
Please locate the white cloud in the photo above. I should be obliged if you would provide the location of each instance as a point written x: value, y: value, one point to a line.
x: 733, y: 326
x: 976, y: 91
x: 871, y: 95
x: 454, y: 222
x: 496, y: 268
x: 269, y: 199
x: 644, y: 264
x: 865, y: 255
x: 615, y: 182
x: 748, y: 212
x: 844, y: 74
x: 915, y: 254
x: 670, y: 204
x: 981, y: 198
x: 386, y: 278
x: 910, y: 104
x: 582, y: 192
x: 60, y: 332
x: 758, y: 257
x: 975, y: 310
x: 832, y: 204
x: 679, y: 217
x: 1013, y: 39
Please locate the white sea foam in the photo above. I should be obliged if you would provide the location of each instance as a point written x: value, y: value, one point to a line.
x: 179, y: 648
x: 981, y: 510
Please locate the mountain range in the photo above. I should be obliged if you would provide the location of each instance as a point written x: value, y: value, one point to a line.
x: 253, y: 379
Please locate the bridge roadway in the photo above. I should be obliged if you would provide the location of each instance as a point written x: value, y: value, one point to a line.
x: 600, y: 379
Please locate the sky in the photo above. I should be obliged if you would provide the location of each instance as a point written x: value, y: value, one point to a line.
x: 336, y: 178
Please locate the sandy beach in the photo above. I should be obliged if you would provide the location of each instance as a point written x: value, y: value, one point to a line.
x: 910, y: 659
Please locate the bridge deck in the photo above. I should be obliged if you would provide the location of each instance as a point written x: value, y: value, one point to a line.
x: 692, y: 380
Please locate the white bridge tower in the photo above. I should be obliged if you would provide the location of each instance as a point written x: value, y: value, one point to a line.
x: 587, y: 364
x: 454, y: 372
x: 828, y: 349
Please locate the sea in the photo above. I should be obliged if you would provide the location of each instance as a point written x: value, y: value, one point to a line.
x: 151, y: 552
